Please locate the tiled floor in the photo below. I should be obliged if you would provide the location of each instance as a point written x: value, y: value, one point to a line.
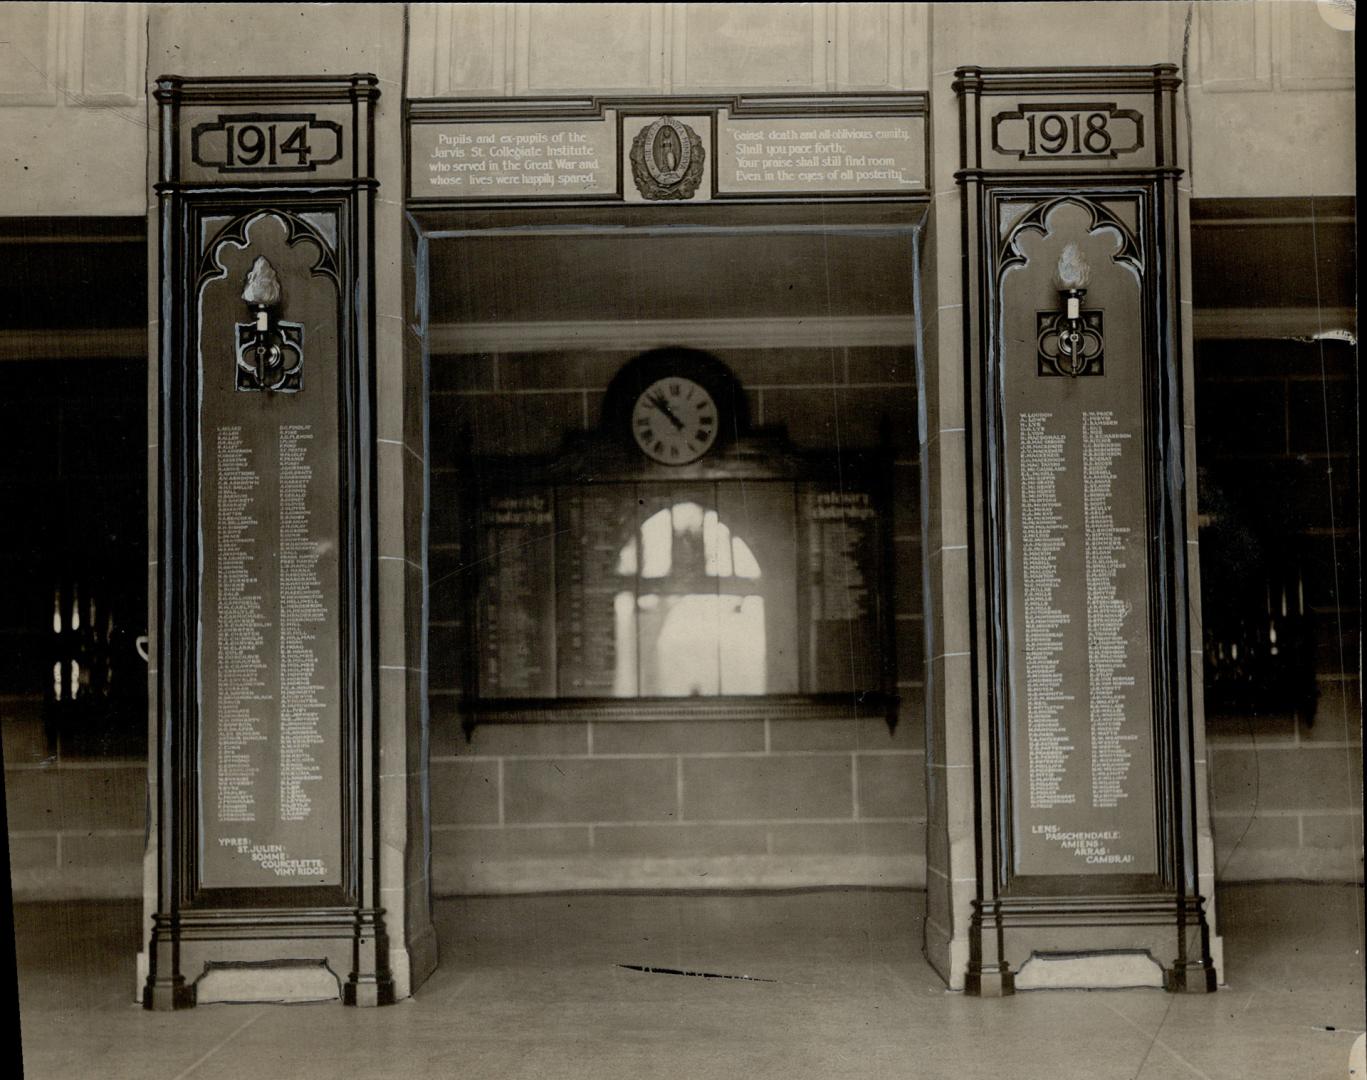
x: 533, y: 987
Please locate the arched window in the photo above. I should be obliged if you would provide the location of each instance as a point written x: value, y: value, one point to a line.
x: 692, y: 621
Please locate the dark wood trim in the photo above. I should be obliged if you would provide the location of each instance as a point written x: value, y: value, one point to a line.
x: 593, y: 107
x: 618, y: 710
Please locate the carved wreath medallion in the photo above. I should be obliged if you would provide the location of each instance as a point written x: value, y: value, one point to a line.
x: 667, y: 160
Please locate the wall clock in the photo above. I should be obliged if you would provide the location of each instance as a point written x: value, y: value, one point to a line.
x: 675, y: 420
x: 674, y: 405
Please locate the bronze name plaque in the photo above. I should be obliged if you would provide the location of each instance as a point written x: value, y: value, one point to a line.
x: 270, y: 590
x: 1077, y: 563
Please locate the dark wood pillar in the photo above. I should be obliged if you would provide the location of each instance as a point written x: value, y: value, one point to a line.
x: 1084, y: 771
x: 267, y: 801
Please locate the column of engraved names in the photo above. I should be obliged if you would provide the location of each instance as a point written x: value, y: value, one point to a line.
x: 301, y: 607
x: 843, y: 521
x: 1041, y: 460
x: 1107, y: 649
x: 239, y: 625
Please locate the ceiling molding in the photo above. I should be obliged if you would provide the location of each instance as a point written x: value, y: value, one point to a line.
x: 639, y: 334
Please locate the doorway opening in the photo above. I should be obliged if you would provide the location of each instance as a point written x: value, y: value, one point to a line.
x: 647, y: 673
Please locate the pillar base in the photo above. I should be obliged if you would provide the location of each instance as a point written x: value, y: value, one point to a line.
x: 368, y: 993
x: 990, y: 982
x: 165, y: 995
x: 1191, y: 977
x: 280, y: 944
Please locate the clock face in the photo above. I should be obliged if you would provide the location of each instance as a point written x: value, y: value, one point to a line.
x: 675, y: 420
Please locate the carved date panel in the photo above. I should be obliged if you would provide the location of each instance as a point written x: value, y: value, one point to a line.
x: 1057, y: 120
x: 1048, y: 132
x: 266, y: 142
x: 233, y: 133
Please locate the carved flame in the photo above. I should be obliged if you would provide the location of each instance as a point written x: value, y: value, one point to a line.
x: 1073, y: 271
x: 263, y: 286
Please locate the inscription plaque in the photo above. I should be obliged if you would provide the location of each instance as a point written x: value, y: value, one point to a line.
x: 1077, y: 581
x: 269, y: 588
x: 514, y: 160
x: 662, y: 150
x: 840, y: 537
x: 821, y: 154
x: 517, y: 602
x: 593, y: 526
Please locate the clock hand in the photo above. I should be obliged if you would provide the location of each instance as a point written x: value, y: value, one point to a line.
x: 661, y: 404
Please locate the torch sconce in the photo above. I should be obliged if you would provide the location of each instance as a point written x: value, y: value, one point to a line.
x: 270, y: 351
x: 1070, y: 341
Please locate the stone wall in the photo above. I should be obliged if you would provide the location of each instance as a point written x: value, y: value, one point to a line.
x: 1271, y: 101
x: 1287, y: 790
x: 754, y: 802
